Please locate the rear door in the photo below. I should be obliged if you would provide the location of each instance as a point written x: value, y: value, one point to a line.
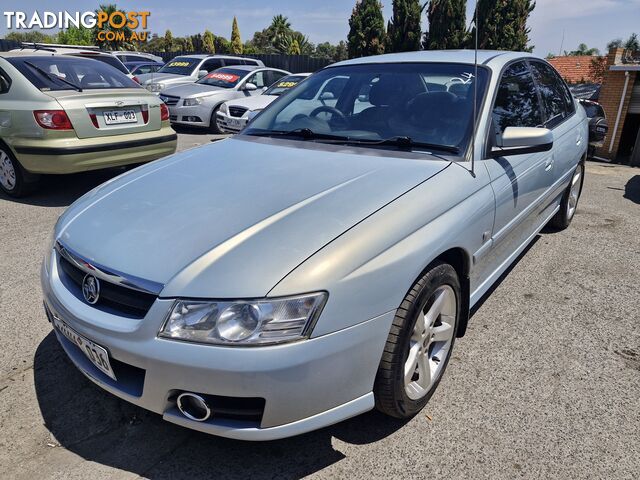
x: 519, y: 181
x: 559, y: 109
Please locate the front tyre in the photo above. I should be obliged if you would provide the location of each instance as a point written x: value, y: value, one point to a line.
x: 213, y: 124
x: 569, y: 202
x: 419, y: 344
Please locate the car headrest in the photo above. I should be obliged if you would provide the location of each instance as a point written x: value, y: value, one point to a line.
x: 459, y: 89
x: 91, y: 79
x: 386, y: 91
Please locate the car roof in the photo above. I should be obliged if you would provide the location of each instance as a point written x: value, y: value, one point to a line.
x: 248, y: 68
x: 203, y: 56
x: 60, y: 50
x: 491, y: 58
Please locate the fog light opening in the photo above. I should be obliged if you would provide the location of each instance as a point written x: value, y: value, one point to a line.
x: 194, y: 407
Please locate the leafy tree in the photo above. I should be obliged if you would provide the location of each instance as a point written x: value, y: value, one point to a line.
x: 366, y: 29
x: 303, y: 44
x: 75, y: 36
x: 223, y: 46
x: 583, y: 49
x: 208, y: 42
x: 168, y: 41
x: 617, y: 43
x: 403, y: 30
x: 236, y: 42
x: 110, y: 9
x: 325, y: 50
x: 34, y: 36
x: 632, y: 43
x: 447, y: 25
x: 502, y: 24
x: 261, y: 42
x: 342, y: 51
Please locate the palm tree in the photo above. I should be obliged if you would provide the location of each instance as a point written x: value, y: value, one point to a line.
x: 279, y: 28
x: 106, y: 27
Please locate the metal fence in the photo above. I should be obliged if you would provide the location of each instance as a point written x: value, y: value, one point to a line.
x: 291, y: 63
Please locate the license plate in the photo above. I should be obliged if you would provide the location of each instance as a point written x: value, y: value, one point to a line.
x: 95, y: 353
x: 234, y: 123
x: 115, y: 117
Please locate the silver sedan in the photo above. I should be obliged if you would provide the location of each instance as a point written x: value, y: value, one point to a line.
x: 196, y: 104
x: 321, y: 263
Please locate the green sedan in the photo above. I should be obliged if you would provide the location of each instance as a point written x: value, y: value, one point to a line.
x: 62, y: 114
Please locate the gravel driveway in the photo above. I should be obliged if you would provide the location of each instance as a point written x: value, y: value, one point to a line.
x: 546, y: 383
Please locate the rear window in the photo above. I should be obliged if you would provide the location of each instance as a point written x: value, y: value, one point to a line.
x: 61, y: 72
x: 223, y: 78
x: 181, y: 66
x: 108, y: 59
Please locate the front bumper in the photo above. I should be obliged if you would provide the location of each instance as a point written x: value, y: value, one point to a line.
x: 229, y: 124
x: 62, y: 156
x: 305, y: 385
x: 196, y: 116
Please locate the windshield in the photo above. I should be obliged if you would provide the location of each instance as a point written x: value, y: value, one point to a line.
x: 389, y: 104
x: 223, y: 78
x: 61, y: 72
x: 285, y: 84
x: 181, y: 66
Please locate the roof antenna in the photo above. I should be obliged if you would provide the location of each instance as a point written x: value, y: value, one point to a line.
x: 475, y: 94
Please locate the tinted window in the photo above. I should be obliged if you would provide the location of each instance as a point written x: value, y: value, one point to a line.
x: 61, y: 72
x: 556, y: 99
x: 284, y: 84
x: 5, y: 82
x: 181, y: 66
x: 517, y: 103
x: 211, y: 65
x: 232, y: 61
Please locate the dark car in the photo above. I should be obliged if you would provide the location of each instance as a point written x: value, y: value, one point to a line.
x: 598, y: 125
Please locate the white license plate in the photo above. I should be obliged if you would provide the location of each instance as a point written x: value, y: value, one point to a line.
x: 95, y: 353
x: 115, y: 117
x: 234, y: 123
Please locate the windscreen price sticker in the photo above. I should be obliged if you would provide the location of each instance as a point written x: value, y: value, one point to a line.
x: 225, y: 77
x: 287, y: 84
x: 178, y: 64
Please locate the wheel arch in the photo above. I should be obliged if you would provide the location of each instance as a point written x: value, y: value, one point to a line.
x: 460, y: 260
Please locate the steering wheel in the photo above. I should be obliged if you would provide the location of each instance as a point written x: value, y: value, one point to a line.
x: 328, y: 109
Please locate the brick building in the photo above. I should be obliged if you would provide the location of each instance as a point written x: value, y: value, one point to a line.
x: 579, y: 68
x: 620, y: 98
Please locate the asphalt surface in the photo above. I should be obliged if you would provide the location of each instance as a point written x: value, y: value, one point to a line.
x: 546, y: 383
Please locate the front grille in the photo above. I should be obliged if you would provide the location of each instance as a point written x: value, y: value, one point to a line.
x: 169, y: 99
x: 114, y: 298
x: 237, y: 111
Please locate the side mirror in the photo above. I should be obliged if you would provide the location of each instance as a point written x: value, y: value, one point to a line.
x: 250, y: 87
x: 202, y: 73
x: 522, y: 140
x: 327, y: 96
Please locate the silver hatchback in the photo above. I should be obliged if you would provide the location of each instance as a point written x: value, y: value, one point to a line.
x: 323, y: 262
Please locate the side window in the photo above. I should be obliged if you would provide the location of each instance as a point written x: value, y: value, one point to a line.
x: 273, y: 76
x: 517, y: 102
x: 557, y: 101
x: 250, y: 62
x: 5, y: 82
x: 211, y: 65
x: 228, y: 62
x: 258, y: 79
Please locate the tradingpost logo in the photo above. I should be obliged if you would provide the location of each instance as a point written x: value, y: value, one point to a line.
x: 114, y: 26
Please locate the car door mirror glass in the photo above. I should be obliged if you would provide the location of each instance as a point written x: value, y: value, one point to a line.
x: 250, y: 87
x: 522, y: 140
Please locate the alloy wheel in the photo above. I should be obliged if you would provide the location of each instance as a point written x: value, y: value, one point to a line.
x: 7, y: 172
x: 430, y: 343
x: 574, y: 192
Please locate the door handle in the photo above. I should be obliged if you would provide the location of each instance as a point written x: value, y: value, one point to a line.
x: 548, y: 164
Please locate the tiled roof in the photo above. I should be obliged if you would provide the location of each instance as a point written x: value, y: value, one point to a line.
x: 577, y: 68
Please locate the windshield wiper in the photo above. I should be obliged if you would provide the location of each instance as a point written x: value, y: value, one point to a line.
x: 406, y: 142
x: 304, y: 133
x: 51, y: 76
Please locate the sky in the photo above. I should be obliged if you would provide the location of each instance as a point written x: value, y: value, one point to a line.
x: 556, y: 25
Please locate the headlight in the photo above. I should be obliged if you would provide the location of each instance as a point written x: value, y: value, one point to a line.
x: 244, y: 322
x: 155, y: 87
x: 190, y: 102
x: 224, y: 109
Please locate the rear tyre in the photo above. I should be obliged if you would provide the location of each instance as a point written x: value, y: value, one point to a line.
x: 419, y: 344
x: 213, y: 124
x: 13, y: 178
x: 569, y: 203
